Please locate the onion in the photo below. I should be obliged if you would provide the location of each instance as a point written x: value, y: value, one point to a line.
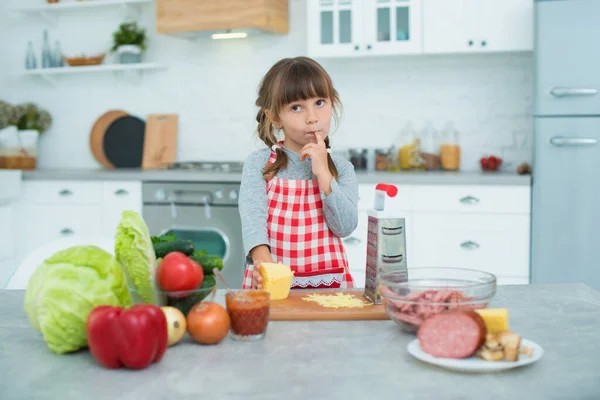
x: 176, y: 324
x: 208, y: 323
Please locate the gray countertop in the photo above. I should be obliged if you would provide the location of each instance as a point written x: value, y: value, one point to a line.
x: 407, y: 178
x: 321, y: 360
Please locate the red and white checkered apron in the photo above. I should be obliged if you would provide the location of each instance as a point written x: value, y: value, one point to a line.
x: 299, y: 236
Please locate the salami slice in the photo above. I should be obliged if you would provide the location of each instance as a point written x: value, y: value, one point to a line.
x: 452, y: 334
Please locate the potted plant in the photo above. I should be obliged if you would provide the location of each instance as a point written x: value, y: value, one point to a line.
x: 20, y: 127
x: 129, y: 41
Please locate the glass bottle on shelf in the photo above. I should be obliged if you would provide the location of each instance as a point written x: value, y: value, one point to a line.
x: 58, y: 60
x: 30, y: 60
x: 46, y: 52
x: 449, y: 148
x: 430, y: 147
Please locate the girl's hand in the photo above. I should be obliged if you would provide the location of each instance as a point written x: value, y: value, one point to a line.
x: 317, y: 152
x: 256, y: 278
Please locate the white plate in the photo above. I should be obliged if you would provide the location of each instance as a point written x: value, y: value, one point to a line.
x: 475, y: 364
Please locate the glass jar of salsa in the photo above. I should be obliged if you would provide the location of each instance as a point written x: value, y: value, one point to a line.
x: 249, y: 313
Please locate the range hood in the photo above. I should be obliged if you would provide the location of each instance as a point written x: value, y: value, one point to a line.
x: 221, y: 19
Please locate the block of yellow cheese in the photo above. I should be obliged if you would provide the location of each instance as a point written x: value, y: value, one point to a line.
x: 276, y: 279
x: 496, y: 319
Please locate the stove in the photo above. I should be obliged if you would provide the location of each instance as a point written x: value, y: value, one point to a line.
x: 208, y: 166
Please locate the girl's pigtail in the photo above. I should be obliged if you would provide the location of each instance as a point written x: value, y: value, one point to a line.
x: 266, y: 132
x: 330, y: 162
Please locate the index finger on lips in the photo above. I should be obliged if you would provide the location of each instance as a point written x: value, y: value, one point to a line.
x: 320, y: 140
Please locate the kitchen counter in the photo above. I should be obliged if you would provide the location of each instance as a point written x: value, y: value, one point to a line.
x: 321, y: 360
x: 400, y: 178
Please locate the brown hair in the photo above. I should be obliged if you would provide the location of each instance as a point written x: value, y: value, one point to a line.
x: 289, y: 80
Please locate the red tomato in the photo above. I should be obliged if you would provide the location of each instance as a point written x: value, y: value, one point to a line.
x: 179, y: 273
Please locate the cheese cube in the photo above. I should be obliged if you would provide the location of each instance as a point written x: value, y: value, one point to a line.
x: 496, y: 319
x: 276, y: 279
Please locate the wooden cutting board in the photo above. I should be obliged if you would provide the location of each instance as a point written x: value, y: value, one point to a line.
x: 160, y: 144
x: 97, y: 135
x: 295, y: 309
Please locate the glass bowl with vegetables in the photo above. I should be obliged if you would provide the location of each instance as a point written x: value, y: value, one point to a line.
x: 180, y: 282
x: 164, y: 270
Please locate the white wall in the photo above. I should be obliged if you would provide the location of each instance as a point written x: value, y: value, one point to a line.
x: 212, y: 86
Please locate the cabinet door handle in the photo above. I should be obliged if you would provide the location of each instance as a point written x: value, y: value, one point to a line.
x: 568, y: 92
x: 121, y: 192
x: 65, y: 193
x: 469, y: 200
x: 351, y: 240
x: 469, y: 245
x: 561, y: 141
x: 66, y: 231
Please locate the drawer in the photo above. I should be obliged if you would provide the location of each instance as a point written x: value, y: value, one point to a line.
x: 366, y: 197
x: 62, y: 192
x: 472, y: 198
x: 119, y: 197
x: 7, y: 232
x: 45, y: 223
x: 498, y: 244
x: 125, y: 192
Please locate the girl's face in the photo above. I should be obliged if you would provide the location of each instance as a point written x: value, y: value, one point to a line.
x: 301, y: 119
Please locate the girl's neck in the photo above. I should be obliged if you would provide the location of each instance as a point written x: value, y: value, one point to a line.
x: 292, y: 146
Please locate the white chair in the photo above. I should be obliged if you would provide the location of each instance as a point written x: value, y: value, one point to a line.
x: 21, y: 276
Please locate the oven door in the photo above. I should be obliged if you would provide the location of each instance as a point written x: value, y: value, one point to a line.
x: 217, y: 231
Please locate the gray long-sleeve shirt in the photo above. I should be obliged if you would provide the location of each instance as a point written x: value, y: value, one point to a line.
x: 339, y: 208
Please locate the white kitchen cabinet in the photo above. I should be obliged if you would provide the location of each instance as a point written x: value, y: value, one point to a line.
x: 483, y: 227
x: 495, y: 243
x: 363, y: 27
x: 470, y: 26
x: 54, y: 209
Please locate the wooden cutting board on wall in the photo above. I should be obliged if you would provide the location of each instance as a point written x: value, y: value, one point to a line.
x: 295, y: 309
x: 160, y: 143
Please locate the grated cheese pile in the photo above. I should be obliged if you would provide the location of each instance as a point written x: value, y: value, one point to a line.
x: 339, y: 300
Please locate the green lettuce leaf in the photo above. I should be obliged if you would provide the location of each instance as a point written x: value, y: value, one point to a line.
x: 134, y: 251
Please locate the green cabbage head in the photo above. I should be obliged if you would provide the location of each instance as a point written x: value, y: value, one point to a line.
x: 66, y: 287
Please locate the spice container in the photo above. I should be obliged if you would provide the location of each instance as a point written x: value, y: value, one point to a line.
x: 381, y: 159
x: 430, y: 147
x: 449, y: 149
x: 249, y: 313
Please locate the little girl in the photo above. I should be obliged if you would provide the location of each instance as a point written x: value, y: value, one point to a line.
x: 297, y: 201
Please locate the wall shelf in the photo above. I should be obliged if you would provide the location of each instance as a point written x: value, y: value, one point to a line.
x: 51, y: 74
x: 50, y: 11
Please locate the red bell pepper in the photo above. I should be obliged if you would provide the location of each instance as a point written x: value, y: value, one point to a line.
x: 135, y: 337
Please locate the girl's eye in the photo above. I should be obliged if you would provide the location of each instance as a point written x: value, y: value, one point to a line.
x: 295, y: 108
x: 320, y: 103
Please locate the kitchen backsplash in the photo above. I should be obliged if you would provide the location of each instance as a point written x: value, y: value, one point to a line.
x: 212, y: 86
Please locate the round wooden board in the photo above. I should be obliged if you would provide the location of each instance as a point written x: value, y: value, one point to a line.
x: 97, y: 135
